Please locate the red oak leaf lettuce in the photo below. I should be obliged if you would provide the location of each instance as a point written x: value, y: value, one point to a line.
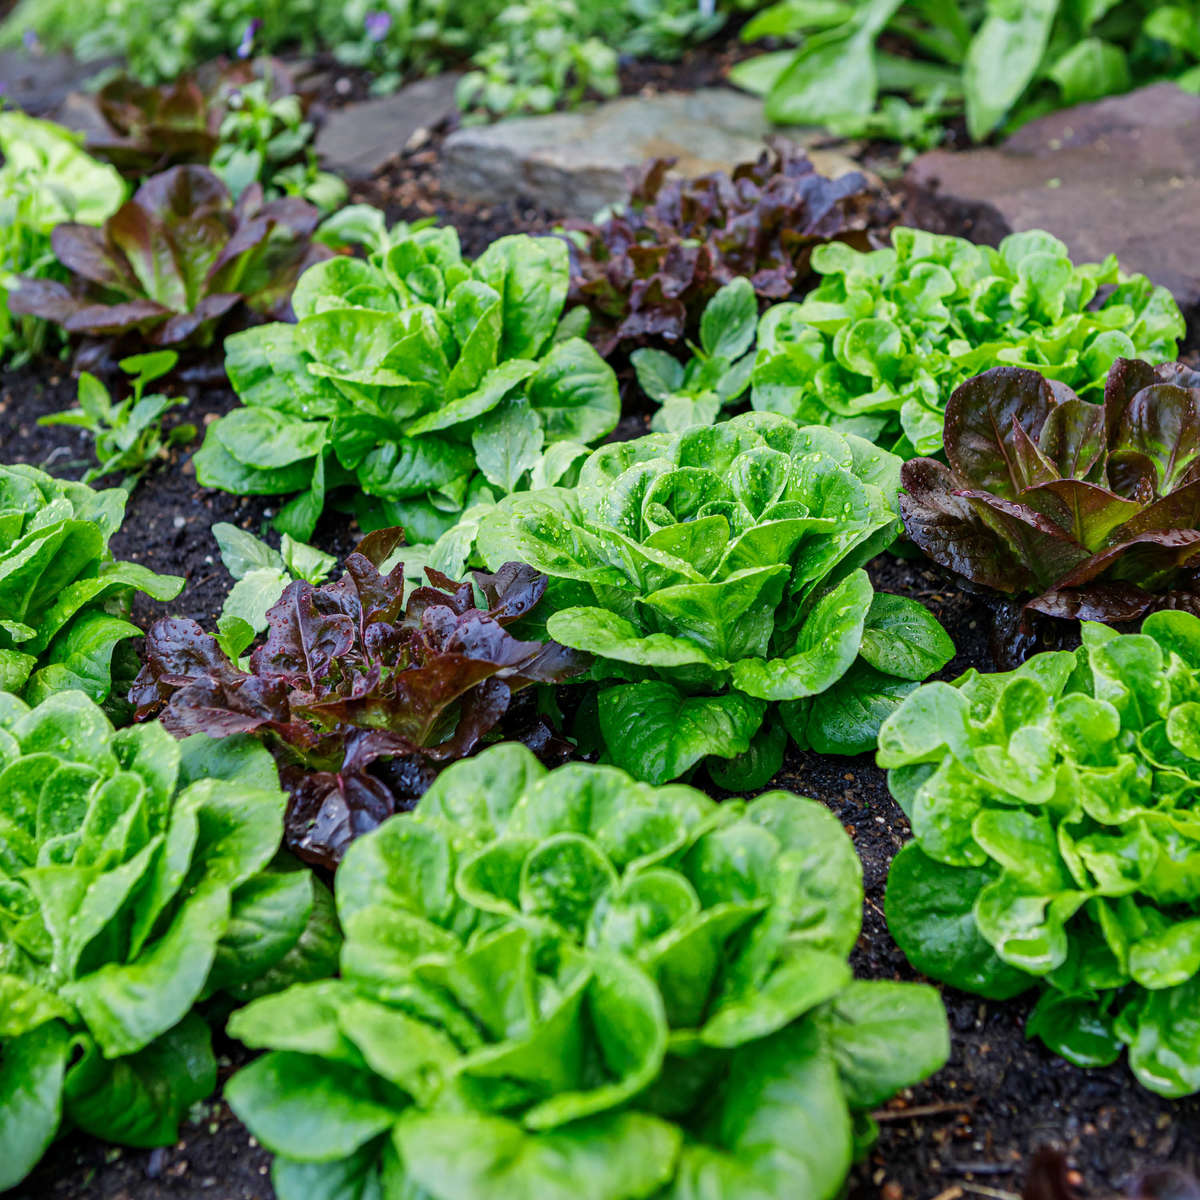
x: 172, y: 261
x: 361, y: 692
x: 649, y: 269
x: 1091, y: 511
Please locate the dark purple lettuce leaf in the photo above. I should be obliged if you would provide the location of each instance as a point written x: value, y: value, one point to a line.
x: 649, y: 270
x: 150, y: 128
x: 1086, y: 511
x: 172, y: 261
x: 362, y: 693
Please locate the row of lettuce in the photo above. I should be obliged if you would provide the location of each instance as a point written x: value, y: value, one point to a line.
x: 593, y: 976
x: 886, y: 68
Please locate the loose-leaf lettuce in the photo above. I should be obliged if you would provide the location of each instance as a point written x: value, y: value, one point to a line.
x: 648, y: 269
x: 45, y: 179
x: 1057, y: 846
x: 363, y: 689
x: 720, y: 569
x: 878, y: 347
x: 428, y: 383
x: 64, y: 601
x: 1091, y: 510
x: 171, y: 262
x: 138, y: 877
x: 570, y: 984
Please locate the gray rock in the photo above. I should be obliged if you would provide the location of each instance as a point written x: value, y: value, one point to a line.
x: 357, y: 140
x: 1120, y: 175
x: 38, y: 83
x: 81, y: 113
x: 572, y: 164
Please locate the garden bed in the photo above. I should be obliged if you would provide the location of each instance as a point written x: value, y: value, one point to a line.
x: 969, y: 1131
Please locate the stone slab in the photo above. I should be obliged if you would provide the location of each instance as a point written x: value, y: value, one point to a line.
x: 38, y: 83
x: 1120, y: 175
x: 357, y: 140
x: 573, y: 164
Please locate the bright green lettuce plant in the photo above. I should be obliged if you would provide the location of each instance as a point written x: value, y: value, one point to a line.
x: 879, y: 346
x: 45, y: 179
x: 426, y: 382
x: 138, y: 877
x: 720, y: 570
x: 570, y: 984
x: 1057, y: 844
x: 718, y: 373
x: 64, y: 601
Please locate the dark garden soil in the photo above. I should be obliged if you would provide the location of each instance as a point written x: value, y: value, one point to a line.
x: 968, y: 1132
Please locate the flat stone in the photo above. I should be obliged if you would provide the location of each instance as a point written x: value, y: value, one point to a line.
x: 1120, y: 175
x: 38, y: 83
x: 573, y: 164
x: 357, y: 140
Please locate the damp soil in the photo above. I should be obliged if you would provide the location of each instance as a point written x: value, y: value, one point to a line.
x: 971, y: 1131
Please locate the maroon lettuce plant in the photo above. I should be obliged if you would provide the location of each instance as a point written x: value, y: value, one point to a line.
x: 361, y: 693
x: 148, y: 128
x: 175, y: 259
x: 1088, y: 511
x: 647, y: 270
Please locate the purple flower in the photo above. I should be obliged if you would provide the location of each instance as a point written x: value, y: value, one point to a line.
x: 246, y: 45
x: 377, y: 25
x: 29, y: 40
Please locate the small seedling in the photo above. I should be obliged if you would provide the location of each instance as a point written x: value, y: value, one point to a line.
x: 129, y: 435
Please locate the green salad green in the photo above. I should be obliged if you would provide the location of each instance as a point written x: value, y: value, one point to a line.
x: 64, y: 601
x: 1057, y: 843
x: 571, y: 985
x: 879, y: 346
x: 719, y: 572
x: 421, y: 381
x: 138, y: 877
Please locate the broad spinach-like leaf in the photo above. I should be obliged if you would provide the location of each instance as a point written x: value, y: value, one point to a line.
x: 570, y: 983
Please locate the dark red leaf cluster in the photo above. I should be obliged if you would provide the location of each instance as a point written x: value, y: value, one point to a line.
x: 149, y: 128
x: 1090, y: 510
x: 362, y: 693
x: 172, y: 261
x: 649, y: 269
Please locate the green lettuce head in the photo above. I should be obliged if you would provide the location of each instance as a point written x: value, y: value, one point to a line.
x: 64, y: 602
x: 568, y: 984
x: 138, y: 877
x: 424, y: 382
x: 880, y: 345
x: 1057, y: 843
x: 721, y: 569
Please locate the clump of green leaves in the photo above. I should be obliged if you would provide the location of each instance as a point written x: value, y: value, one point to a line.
x: 261, y: 574
x: 45, y: 179
x: 424, y: 382
x: 718, y: 373
x: 879, y: 346
x: 139, y: 879
x: 129, y: 435
x: 720, y: 570
x: 1002, y: 64
x: 536, y: 62
x: 64, y: 602
x: 1057, y: 844
x: 569, y: 983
